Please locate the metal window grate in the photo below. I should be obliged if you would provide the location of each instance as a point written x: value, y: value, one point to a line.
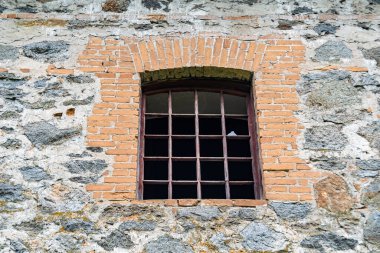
x: 199, y: 144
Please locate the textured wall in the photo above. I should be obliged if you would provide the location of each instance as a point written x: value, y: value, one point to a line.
x: 46, y: 99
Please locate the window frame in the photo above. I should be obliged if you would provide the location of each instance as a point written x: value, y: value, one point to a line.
x: 220, y: 86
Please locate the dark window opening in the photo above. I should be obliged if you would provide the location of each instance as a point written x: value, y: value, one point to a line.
x: 209, y: 102
x: 157, y: 103
x: 155, y: 191
x: 235, y: 104
x: 183, y: 147
x: 210, y: 126
x: 242, y: 191
x: 183, y: 125
x: 212, y: 171
x: 184, y: 170
x: 156, y: 147
x: 184, y: 191
x: 211, y: 147
x: 183, y: 102
x: 156, y: 170
x: 210, y: 191
x: 198, y: 143
x: 240, y: 170
x: 156, y: 125
x: 237, y: 126
x: 238, y: 147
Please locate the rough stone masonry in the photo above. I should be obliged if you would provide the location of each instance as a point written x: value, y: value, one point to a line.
x: 69, y: 100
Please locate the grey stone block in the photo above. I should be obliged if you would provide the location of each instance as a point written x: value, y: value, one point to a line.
x: 10, y: 192
x: 75, y: 102
x: 373, y: 54
x: 137, y: 225
x: 83, y: 166
x: 166, y: 244
x: 34, y: 173
x: 117, y: 239
x: 202, y: 213
x: 332, y: 51
x: 325, y: 28
x: 8, y: 52
x: 291, y: 210
x: 372, y: 228
x: 12, y: 144
x: 371, y: 164
x: 44, y: 133
x: 330, y: 241
x: 325, y: 138
x: 259, y: 237
x: 47, y: 51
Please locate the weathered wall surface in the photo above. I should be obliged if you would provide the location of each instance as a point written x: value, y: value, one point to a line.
x: 46, y: 99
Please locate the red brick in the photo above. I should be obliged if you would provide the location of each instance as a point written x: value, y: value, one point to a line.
x: 100, y: 187
x: 188, y: 202
x: 120, y: 179
x: 249, y: 202
x: 118, y: 195
x: 217, y: 202
x: 282, y: 196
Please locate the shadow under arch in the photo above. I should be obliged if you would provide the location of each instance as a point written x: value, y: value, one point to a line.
x: 235, y: 79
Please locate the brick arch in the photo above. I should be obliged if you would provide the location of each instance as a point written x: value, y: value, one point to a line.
x: 114, y: 122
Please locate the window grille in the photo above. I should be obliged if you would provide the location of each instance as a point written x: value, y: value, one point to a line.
x: 198, y: 142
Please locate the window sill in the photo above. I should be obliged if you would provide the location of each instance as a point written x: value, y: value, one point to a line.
x: 196, y: 202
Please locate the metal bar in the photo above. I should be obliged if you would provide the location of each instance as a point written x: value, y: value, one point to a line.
x: 156, y: 158
x: 236, y: 115
x: 184, y: 182
x: 238, y: 137
x: 156, y: 114
x: 241, y: 182
x: 170, y: 172
x: 212, y: 159
x: 156, y: 136
x: 256, y: 170
x: 156, y: 181
x: 239, y: 158
x: 193, y: 182
x: 206, y: 158
x: 140, y: 186
x: 208, y: 182
x: 203, y: 115
x: 183, y: 114
x: 180, y: 136
x: 211, y: 136
x: 225, y: 154
x: 197, y: 147
x: 184, y: 159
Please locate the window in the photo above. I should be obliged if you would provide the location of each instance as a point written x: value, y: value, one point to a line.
x: 198, y: 141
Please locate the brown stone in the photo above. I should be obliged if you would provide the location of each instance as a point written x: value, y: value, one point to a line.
x: 332, y: 194
x: 188, y: 202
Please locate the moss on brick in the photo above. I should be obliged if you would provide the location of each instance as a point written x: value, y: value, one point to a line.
x: 196, y: 72
x: 39, y: 22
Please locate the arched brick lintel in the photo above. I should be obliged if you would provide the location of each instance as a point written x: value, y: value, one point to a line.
x: 114, y: 122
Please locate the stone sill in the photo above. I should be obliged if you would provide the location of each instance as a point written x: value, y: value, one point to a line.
x: 197, y: 202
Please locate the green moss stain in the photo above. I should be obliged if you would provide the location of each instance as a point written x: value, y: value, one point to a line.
x: 196, y: 72
x: 40, y: 22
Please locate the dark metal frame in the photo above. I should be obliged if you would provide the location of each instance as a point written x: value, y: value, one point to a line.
x: 234, y: 88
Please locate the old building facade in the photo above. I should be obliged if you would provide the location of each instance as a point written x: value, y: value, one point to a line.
x: 72, y: 78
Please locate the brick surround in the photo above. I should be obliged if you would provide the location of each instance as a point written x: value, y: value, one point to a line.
x: 114, y: 123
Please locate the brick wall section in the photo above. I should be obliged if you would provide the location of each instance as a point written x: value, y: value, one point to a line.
x: 115, y: 120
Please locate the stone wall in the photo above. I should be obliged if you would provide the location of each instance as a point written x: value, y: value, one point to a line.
x: 48, y: 98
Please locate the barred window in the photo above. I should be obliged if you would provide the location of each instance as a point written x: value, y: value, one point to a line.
x: 198, y: 140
